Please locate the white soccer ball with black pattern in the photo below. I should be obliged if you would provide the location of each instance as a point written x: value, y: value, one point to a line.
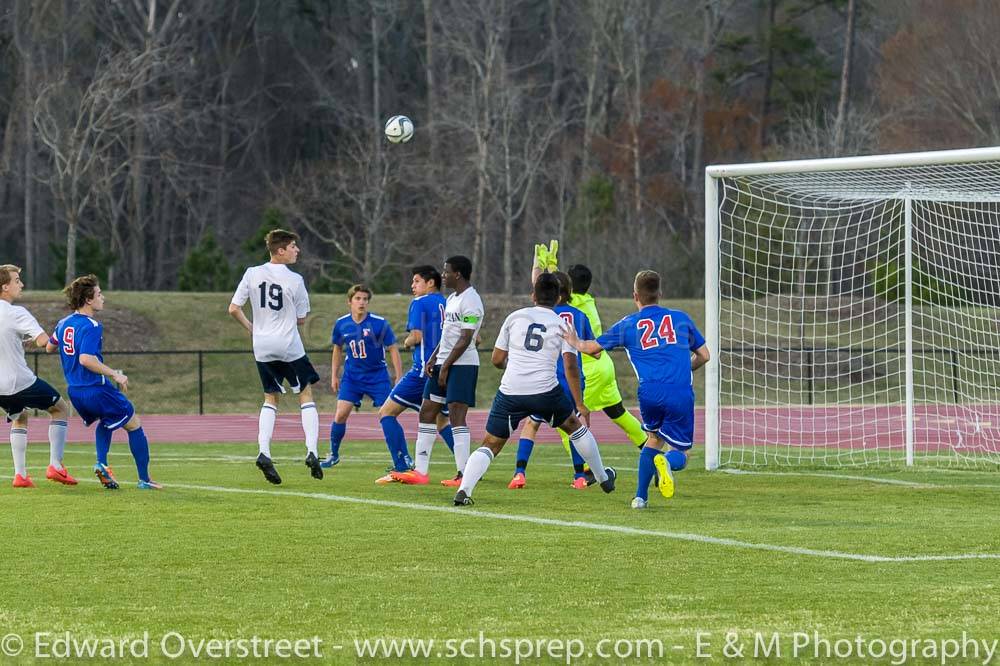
x: 399, y: 129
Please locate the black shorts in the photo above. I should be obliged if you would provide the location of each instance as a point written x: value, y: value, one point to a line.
x: 299, y: 374
x: 37, y: 396
x: 508, y: 410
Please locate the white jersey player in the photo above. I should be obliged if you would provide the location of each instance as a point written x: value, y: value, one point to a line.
x: 527, y: 348
x: 279, y: 305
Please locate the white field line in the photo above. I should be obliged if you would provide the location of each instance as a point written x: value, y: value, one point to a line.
x: 868, y: 479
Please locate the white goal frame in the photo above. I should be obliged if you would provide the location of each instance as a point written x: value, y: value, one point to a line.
x: 714, y: 173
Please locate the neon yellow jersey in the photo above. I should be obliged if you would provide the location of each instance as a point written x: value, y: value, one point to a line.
x: 587, y: 304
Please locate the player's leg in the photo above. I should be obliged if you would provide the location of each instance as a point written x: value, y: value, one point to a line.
x: 310, y: 426
x: 647, y: 469
x: 432, y: 401
x: 583, y: 440
x: 461, y: 395
x: 525, y: 445
x: 627, y: 422
x: 675, y: 431
x: 395, y: 438
x: 338, y: 428
x: 271, y: 383
x: 58, y: 425
x: 479, y: 461
x: 19, y: 450
x: 444, y: 429
x: 90, y: 405
x: 138, y: 444
x: 601, y: 393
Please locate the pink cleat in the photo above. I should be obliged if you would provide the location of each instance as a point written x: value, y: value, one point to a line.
x: 59, y: 476
x: 579, y: 483
x: 411, y: 478
x: 23, y: 481
x: 517, y: 482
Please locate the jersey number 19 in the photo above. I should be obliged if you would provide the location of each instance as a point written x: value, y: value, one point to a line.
x: 271, y: 296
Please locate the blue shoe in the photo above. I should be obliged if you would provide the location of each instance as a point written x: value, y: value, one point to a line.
x: 105, y: 476
x: 149, y: 485
x: 330, y: 460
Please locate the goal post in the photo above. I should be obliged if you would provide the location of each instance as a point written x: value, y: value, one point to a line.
x: 853, y: 311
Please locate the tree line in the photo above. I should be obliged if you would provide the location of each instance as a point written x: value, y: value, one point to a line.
x: 155, y: 141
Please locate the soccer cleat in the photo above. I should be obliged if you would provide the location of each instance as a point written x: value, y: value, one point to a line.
x: 265, y: 465
x: 105, y: 476
x: 23, y: 481
x: 385, y: 480
x: 579, y: 483
x: 454, y: 482
x: 638, y: 503
x: 462, y: 499
x: 608, y: 485
x: 330, y: 461
x: 149, y: 484
x: 59, y: 476
x: 588, y: 474
x: 517, y: 482
x: 314, y: 465
x: 665, y: 478
x: 411, y: 477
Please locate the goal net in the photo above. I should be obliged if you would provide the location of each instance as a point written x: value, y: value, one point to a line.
x: 853, y: 311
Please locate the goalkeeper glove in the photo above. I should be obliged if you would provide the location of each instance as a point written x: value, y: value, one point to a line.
x: 541, y: 256
x: 552, y: 263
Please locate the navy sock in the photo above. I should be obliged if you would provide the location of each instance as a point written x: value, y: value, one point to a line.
x: 646, y: 471
x: 448, y: 437
x: 337, y: 431
x: 578, y: 461
x: 139, y: 446
x: 524, y: 448
x: 102, y: 442
x: 395, y: 440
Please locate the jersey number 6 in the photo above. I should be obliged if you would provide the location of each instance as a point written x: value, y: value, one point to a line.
x: 533, y: 341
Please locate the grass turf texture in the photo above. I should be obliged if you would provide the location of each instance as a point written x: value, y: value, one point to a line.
x: 210, y: 564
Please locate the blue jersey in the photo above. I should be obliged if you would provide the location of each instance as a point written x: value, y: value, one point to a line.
x: 659, y: 342
x: 426, y: 315
x: 364, y: 345
x: 581, y: 324
x: 79, y: 334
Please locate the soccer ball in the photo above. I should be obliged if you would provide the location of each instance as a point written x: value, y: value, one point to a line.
x: 399, y: 129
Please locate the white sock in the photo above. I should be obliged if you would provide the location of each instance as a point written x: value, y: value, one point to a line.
x: 586, y: 446
x: 426, y: 434
x: 310, y: 423
x: 478, y: 463
x: 57, y: 443
x: 19, y: 448
x: 463, y: 443
x: 265, y: 428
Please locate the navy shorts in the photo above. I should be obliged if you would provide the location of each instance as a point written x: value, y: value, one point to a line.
x: 37, y: 396
x: 668, y: 411
x: 508, y: 410
x: 354, y: 389
x: 102, y: 403
x: 538, y: 418
x: 461, y: 385
x: 298, y: 373
x: 409, y: 391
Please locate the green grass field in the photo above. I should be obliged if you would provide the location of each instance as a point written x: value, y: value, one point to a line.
x: 219, y: 554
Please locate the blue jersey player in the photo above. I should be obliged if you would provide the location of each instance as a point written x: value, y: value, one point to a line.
x: 664, y: 347
x: 363, y: 338
x: 581, y: 324
x: 423, y: 326
x: 79, y: 339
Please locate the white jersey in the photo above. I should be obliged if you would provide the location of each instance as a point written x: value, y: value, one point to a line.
x: 533, y: 342
x: 16, y: 326
x: 462, y: 312
x: 278, y: 299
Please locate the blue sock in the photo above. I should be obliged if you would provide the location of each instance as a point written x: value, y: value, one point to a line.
x: 448, y: 437
x: 646, y: 471
x: 524, y: 449
x: 337, y: 431
x: 139, y: 446
x: 677, y: 460
x: 395, y: 441
x: 102, y: 441
x: 577, y: 461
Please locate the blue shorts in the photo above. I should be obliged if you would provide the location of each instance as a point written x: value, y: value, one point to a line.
x: 507, y: 411
x: 298, y: 373
x: 668, y: 411
x: 461, y: 385
x: 37, y: 396
x: 409, y: 391
x: 354, y: 389
x: 102, y: 403
x: 538, y: 418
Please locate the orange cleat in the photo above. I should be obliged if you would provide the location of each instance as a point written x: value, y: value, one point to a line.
x: 385, y: 480
x: 411, y: 478
x: 23, y: 481
x: 105, y: 476
x: 59, y: 476
x: 453, y: 482
x: 517, y: 482
x: 579, y: 483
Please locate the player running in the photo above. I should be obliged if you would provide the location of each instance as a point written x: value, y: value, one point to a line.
x: 21, y: 390
x: 79, y: 339
x: 529, y: 343
x: 664, y: 347
x: 364, y: 337
x: 423, y: 325
x: 279, y: 303
x: 451, y: 379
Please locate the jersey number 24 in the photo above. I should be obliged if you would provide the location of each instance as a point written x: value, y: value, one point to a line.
x: 650, y: 334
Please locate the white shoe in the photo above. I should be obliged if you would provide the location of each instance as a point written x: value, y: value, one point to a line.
x: 638, y: 503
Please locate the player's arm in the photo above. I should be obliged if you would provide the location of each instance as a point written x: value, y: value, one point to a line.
x: 699, y: 357
x: 415, y: 337
x: 95, y: 365
x: 464, y: 340
x: 588, y: 347
x: 572, y: 369
x: 429, y: 365
x: 42, y: 340
x: 236, y: 312
x: 336, y: 362
x: 397, y: 362
x: 499, y: 358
